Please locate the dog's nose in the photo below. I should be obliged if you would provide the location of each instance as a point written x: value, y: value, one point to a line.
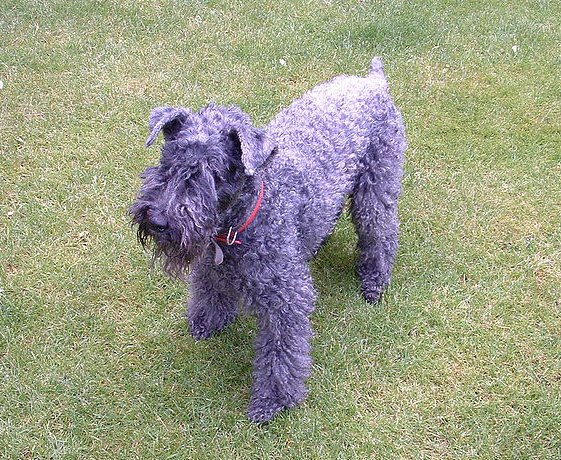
x: 158, y: 221
x: 160, y: 228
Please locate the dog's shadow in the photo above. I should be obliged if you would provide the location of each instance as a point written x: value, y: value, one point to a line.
x: 334, y: 267
x: 205, y: 382
x: 335, y: 275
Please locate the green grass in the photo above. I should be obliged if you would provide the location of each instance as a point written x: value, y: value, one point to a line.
x: 463, y: 357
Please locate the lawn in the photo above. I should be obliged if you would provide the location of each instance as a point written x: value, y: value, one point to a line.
x: 462, y: 358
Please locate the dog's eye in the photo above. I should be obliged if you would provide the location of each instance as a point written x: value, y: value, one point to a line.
x: 160, y: 228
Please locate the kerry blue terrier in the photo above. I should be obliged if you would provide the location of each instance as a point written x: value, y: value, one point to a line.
x: 244, y: 209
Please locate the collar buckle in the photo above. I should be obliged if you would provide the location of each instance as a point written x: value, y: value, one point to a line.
x: 231, y: 237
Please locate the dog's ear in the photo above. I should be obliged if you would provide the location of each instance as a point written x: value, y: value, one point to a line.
x: 256, y: 147
x: 168, y: 119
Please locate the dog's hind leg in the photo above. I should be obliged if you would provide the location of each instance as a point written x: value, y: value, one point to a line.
x: 374, y: 207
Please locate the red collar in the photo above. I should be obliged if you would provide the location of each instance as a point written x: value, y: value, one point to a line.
x: 232, y: 236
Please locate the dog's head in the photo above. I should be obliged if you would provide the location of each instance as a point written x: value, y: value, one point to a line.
x: 203, y: 163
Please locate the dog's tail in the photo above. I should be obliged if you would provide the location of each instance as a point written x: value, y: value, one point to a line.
x: 377, y: 68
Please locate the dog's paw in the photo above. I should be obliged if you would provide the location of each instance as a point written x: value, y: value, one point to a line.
x: 204, y: 326
x: 372, y: 295
x: 200, y: 332
x: 264, y: 407
x: 263, y: 410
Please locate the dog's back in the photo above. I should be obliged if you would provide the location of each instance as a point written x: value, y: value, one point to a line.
x: 343, y: 110
x: 328, y: 138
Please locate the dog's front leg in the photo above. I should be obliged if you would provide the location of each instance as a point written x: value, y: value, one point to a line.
x: 213, y: 302
x: 282, y: 362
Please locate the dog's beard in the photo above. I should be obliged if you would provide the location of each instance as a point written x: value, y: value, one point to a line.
x: 174, y: 263
x: 176, y: 260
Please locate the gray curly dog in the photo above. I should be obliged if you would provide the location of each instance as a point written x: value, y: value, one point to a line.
x: 244, y: 209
